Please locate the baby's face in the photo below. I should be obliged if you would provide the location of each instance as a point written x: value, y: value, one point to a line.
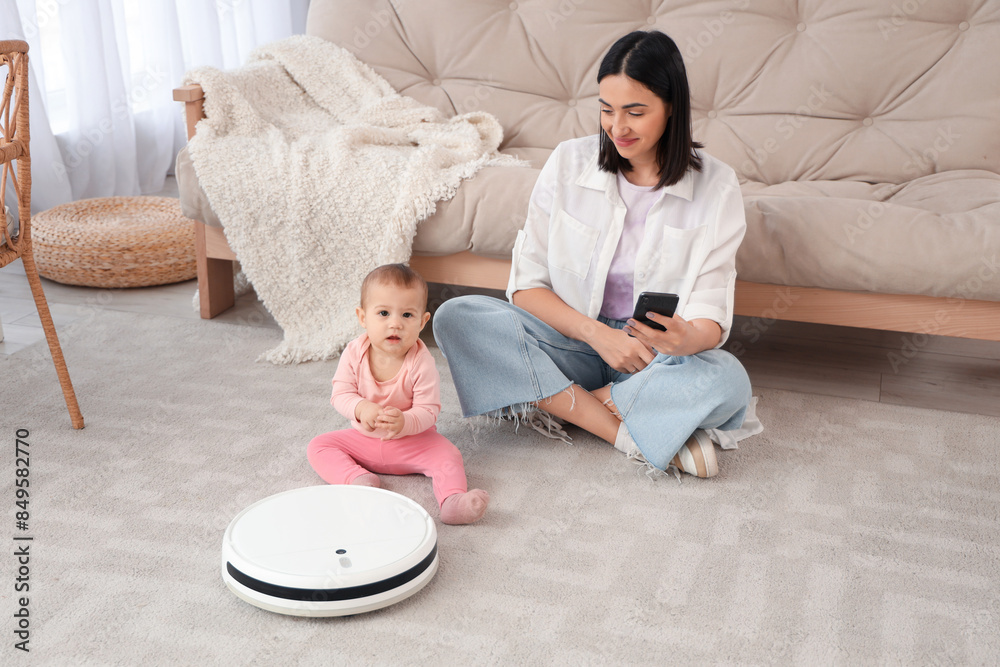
x: 394, y: 317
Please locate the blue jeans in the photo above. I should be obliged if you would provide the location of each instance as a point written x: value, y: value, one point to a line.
x: 504, y: 357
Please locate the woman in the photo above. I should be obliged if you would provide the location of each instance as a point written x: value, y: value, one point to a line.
x: 636, y: 208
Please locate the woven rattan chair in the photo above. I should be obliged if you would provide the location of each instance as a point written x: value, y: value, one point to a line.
x: 14, y: 151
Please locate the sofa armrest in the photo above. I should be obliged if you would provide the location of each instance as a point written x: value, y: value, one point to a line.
x: 193, y: 98
x: 214, y: 258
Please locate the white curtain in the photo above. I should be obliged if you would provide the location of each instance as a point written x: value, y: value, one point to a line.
x: 103, y: 119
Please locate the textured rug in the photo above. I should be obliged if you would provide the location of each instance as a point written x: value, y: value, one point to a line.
x: 847, y: 533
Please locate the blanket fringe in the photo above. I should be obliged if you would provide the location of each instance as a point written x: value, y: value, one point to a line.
x: 286, y: 353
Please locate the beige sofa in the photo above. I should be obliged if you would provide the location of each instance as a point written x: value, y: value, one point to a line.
x: 866, y: 135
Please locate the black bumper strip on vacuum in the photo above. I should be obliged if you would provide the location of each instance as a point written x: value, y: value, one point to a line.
x: 333, y: 594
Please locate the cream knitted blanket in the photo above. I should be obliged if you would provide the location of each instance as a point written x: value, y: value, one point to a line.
x: 319, y: 172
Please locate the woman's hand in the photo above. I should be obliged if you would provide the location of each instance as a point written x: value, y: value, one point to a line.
x: 681, y: 338
x: 619, y: 350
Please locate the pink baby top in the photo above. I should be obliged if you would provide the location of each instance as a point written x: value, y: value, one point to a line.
x: 619, y: 300
x: 416, y: 389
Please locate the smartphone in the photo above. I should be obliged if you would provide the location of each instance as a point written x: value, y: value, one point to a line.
x: 660, y: 303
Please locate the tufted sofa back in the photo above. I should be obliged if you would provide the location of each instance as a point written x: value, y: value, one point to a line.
x: 810, y: 90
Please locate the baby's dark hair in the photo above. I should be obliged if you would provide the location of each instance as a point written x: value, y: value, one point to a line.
x: 397, y: 275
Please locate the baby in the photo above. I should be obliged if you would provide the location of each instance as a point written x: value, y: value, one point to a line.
x: 387, y: 385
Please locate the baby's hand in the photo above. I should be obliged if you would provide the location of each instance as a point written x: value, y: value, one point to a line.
x: 391, y: 419
x: 367, y: 413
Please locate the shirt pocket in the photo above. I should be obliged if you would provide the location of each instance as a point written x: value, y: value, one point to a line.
x: 571, y: 245
x: 673, y: 257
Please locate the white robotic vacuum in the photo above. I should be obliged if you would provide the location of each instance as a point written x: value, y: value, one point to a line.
x: 329, y: 550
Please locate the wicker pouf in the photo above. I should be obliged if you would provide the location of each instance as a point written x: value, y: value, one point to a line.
x: 115, y: 242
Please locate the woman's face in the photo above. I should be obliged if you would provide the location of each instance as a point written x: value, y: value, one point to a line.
x: 633, y: 117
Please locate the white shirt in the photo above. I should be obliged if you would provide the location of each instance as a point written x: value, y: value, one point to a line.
x: 576, y: 216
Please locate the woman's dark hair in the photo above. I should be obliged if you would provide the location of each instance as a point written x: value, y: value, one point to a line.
x: 653, y: 59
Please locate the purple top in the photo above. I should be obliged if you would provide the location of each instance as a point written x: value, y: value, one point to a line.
x: 619, y: 301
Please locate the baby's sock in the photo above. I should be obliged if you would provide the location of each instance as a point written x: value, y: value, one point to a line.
x: 367, y: 479
x: 460, y: 508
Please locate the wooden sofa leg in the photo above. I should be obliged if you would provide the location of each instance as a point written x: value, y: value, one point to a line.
x: 215, y: 278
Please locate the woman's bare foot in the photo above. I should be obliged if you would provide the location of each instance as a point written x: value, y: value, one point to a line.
x: 462, y: 508
x: 367, y: 479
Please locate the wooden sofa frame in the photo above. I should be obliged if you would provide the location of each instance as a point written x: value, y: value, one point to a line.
x: 924, y: 315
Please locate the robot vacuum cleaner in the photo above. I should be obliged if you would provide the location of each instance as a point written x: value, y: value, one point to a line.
x: 331, y: 550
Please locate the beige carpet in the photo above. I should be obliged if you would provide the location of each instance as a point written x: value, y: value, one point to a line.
x: 847, y: 533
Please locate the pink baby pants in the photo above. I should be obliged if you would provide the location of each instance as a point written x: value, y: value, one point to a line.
x: 340, y: 456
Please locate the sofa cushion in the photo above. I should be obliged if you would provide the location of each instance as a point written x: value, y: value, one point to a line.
x: 482, y: 217
x: 937, y: 235
x: 881, y: 91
